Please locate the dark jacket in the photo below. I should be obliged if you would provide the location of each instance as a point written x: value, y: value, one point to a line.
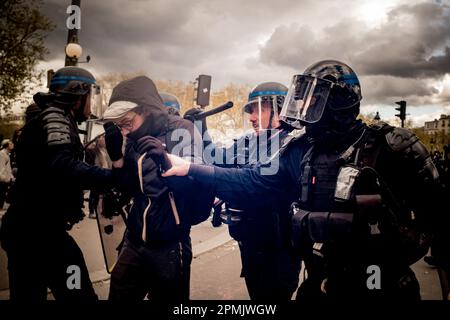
x: 153, y: 217
x: 51, y: 173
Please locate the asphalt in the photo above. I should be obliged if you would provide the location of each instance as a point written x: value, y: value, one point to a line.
x: 205, y: 238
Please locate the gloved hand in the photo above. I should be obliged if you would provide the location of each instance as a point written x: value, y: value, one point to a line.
x: 190, y: 114
x: 113, y: 141
x: 155, y: 150
x: 200, y: 124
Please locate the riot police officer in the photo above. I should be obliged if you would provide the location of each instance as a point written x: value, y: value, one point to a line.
x: 366, y: 195
x: 268, y: 265
x: 48, y: 196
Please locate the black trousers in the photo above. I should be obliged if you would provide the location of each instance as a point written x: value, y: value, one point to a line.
x: 55, y: 263
x: 269, y: 273
x: 161, y: 272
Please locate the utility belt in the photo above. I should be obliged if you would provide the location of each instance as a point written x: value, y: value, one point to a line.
x: 234, y: 218
x: 371, y: 227
x: 313, y: 229
x: 259, y: 228
x: 231, y: 216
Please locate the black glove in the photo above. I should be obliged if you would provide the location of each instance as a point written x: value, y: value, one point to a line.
x: 113, y: 141
x: 190, y: 115
x: 155, y: 150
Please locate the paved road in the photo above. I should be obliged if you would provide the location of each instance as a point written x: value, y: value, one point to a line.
x: 215, y: 268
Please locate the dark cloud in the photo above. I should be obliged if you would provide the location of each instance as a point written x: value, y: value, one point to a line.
x: 413, y: 42
x: 388, y: 89
x: 403, y: 56
x: 123, y: 33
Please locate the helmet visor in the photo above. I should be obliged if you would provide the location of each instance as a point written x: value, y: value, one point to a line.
x: 306, y: 100
x: 97, y: 107
x: 259, y: 112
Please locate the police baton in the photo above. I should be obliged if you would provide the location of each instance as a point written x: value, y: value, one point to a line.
x: 204, y: 114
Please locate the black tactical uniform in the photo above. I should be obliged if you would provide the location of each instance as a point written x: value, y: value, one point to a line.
x: 269, y: 267
x: 48, y: 199
x: 366, y: 193
x: 367, y: 196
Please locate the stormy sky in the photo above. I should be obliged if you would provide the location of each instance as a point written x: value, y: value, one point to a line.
x: 399, y: 48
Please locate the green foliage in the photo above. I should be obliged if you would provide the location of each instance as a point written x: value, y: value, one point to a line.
x: 22, y: 32
x: 7, y: 128
x: 433, y: 142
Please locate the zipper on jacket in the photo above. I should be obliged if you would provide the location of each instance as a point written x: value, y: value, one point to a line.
x: 141, y: 182
x: 144, y: 221
x: 174, y: 208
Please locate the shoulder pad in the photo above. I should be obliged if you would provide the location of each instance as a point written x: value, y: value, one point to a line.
x: 398, y: 139
x: 56, y: 126
x: 382, y: 127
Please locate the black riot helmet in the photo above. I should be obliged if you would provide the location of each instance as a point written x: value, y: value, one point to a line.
x: 72, y: 87
x: 327, y: 84
x: 72, y: 81
x: 171, y: 102
x: 273, y: 92
x: 266, y: 94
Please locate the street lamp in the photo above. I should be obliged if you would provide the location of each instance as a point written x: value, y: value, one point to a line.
x: 73, y: 50
x: 377, y: 117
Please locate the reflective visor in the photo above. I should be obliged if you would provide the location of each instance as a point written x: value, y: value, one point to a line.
x: 306, y: 99
x: 97, y: 107
x: 254, y: 109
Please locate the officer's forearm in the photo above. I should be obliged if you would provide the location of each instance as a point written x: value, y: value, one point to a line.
x: 64, y: 165
x: 239, y: 186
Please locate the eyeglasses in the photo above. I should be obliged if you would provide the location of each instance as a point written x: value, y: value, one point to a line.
x: 127, y: 123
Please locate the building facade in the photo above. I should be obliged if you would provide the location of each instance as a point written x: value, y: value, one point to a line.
x: 436, y: 126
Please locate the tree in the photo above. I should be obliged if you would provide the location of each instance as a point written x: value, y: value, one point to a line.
x: 22, y: 32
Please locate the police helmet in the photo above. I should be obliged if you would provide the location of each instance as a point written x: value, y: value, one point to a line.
x: 72, y: 81
x: 272, y: 92
x: 329, y: 83
x: 170, y: 100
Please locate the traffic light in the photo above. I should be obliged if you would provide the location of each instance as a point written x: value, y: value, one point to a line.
x: 402, y: 109
x: 203, y: 90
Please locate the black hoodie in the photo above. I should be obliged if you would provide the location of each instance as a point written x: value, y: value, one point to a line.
x: 153, y: 218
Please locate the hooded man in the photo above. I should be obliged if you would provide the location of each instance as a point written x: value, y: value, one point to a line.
x: 156, y: 255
